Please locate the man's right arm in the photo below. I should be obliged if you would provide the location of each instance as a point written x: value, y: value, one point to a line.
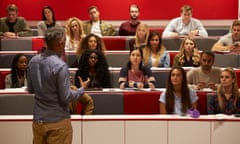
x: 169, y: 30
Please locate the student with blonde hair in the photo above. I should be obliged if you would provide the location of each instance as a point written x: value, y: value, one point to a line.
x: 188, y: 55
x: 226, y: 99
x: 141, y: 36
x: 74, y: 33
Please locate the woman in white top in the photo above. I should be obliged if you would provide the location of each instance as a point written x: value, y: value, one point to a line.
x: 74, y: 33
x: 178, y: 97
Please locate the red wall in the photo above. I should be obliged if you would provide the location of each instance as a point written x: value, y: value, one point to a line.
x: 118, y: 9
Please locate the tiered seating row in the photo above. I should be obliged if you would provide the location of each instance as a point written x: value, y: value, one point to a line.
x: 106, y: 102
x: 120, y: 58
x: 160, y: 74
x: 111, y: 43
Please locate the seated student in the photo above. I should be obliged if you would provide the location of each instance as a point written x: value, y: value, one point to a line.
x: 230, y: 41
x: 205, y: 76
x: 184, y: 25
x: 48, y: 20
x: 178, y: 97
x: 13, y: 26
x: 135, y: 75
x: 18, y: 76
x: 93, y: 65
x: 91, y: 41
x: 155, y: 54
x: 74, y: 33
x: 96, y: 26
x: 189, y: 55
x: 128, y: 28
x: 226, y: 99
x: 141, y: 37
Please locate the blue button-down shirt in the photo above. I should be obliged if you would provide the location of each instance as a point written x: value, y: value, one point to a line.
x: 48, y: 79
x: 176, y: 25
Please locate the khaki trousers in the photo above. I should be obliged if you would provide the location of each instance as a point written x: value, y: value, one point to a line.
x: 52, y: 133
x: 87, y: 103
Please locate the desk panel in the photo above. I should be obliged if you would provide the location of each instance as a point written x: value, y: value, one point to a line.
x: 19, y: 44
x: 202, y: 43
x: 137, y: 132
x: 225, y: 132
x: 103, y: 132
x: 227, y: 60
x: 181, y: 132
x: 16, y: 104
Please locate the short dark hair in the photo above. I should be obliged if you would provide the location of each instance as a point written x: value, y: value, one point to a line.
x: 210, y: 53
x: 92, y: 7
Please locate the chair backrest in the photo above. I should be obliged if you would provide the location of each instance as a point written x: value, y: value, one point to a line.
x: 115, y: 43
x: 18, y: 104
x: 107, y: 103
x: 3, y: 75
x: 141, y: 103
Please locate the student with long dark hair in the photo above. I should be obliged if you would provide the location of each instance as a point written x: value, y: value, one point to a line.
x: 93, y: 65
x: 177, y: 98
x: 135, y: 75
x: 18, y: 76
x: 48, y: 20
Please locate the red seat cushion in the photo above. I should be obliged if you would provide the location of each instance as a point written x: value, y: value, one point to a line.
x: 172, y: 55
x: 141, y: 102
x: 3, y: 74
x: 37, y: 44
x: 202, y: 102
x: 160, y: 30
x: 115, y: 43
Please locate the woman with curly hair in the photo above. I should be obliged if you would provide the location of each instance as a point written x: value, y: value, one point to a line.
x: 189, y: 55
x: 227, y: 97
x: 91, y: 41
x: 177, y: 98
x: 74, y: 33
x: 155, y: 54
x: 93, y: 65
x: 18, y: 76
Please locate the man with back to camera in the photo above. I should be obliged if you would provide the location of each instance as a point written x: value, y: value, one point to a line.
x: 205, y: 76
x: 128, y: 28
x: 12, y: 25
x: 48, y: 79
x: 230, y: 41
x: 184, y: 25
x: 96, y: 26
